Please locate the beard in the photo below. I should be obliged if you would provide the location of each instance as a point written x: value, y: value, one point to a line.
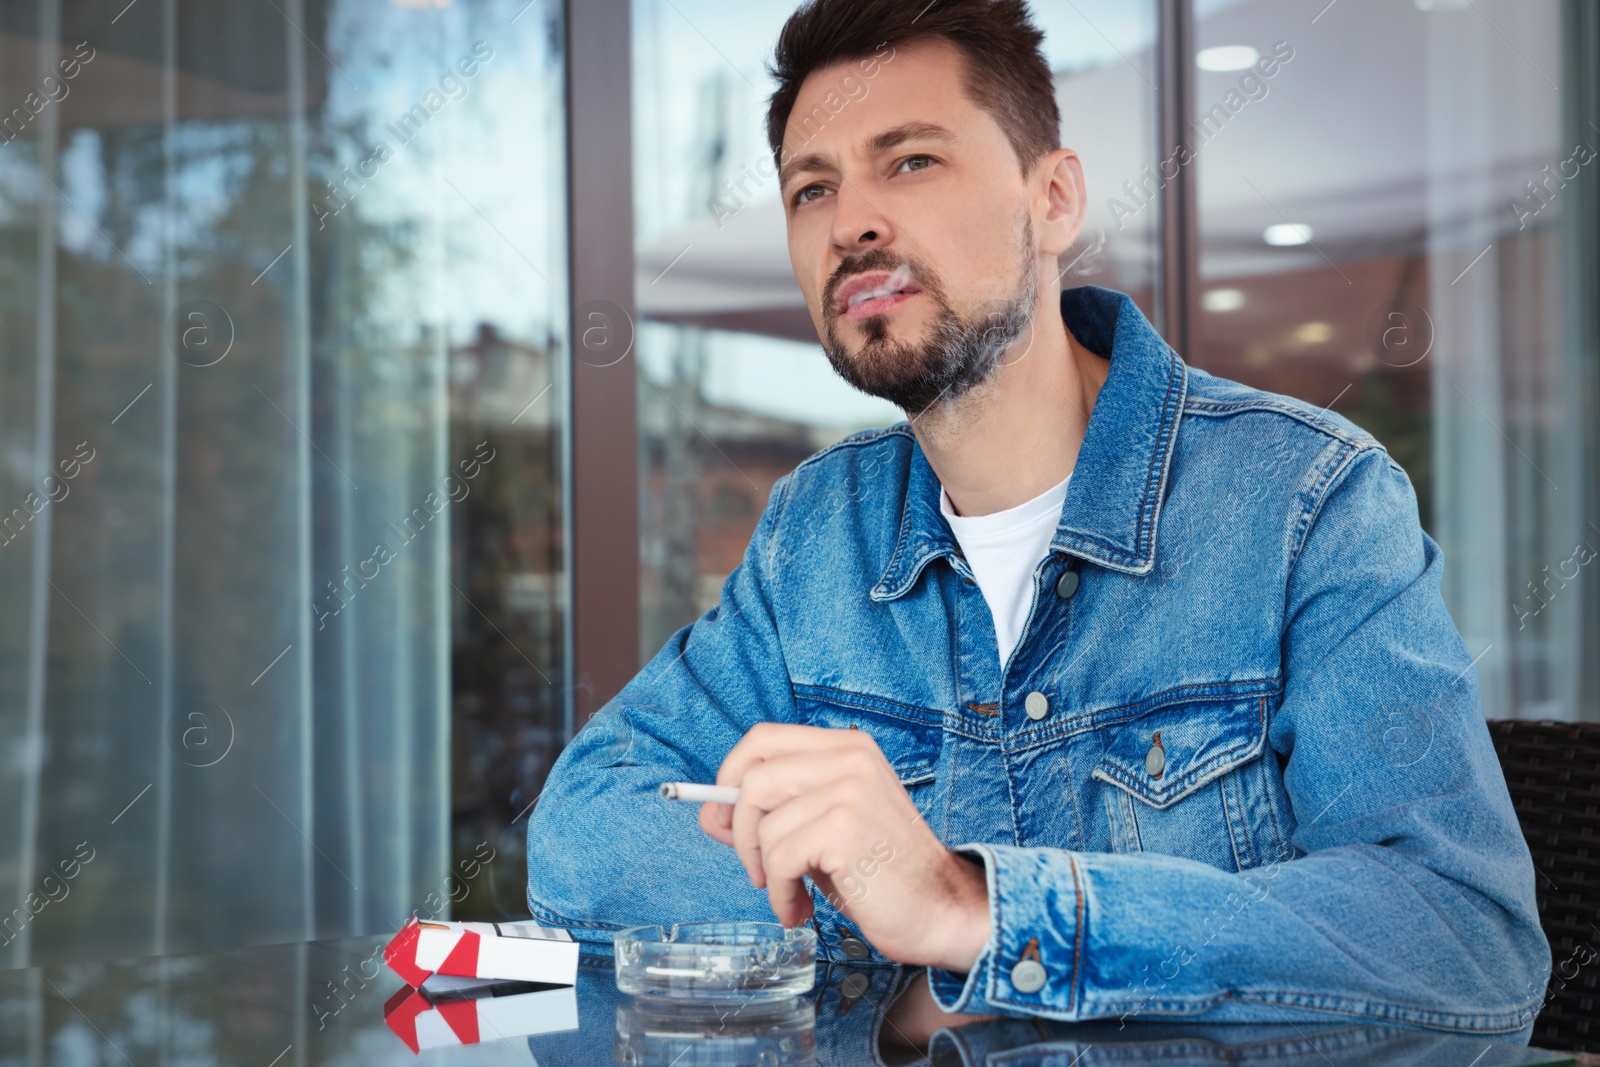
x: 960, y: 352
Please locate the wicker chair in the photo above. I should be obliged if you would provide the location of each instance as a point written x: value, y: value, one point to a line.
x: 1553, y: 772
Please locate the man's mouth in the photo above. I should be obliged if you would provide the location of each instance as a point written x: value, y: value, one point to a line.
x: 874, y: 292
x: 863, y: 305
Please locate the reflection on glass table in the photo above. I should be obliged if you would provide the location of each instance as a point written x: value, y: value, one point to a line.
x: 323, y: 1002
x: 656, y: 1032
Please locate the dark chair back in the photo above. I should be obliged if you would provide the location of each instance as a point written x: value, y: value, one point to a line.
x: 1553, y: 772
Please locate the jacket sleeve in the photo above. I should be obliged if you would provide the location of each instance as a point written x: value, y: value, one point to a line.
x: 1409, y: 896
x: 605, y: 851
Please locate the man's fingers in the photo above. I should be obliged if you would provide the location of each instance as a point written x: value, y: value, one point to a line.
x: 772, y: 784
x: 776, y: 780
x: 797, y: 813
x: 711, y: 821
x: 789, y: 860
x: 746, y: 817
x: 791, y: 779
x: 768, y: 740
x: 798, y: 910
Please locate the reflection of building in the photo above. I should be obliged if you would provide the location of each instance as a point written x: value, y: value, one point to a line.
x: 494, y: 380
x: 503, y: 390
x: 707, y: 471
x: 506, y: 566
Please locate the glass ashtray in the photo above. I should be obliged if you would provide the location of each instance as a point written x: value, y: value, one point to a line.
x: 716, y: 961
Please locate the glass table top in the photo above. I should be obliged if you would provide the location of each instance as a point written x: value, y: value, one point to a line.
x: 335, y: 1002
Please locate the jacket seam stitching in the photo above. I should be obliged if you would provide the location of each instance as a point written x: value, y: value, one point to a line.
x: 868, y: 437
x: 776, y: 512
x: 1340, y: 1004
x: 1011, y: 797
x: 1092, y: 720
x: 1209, y: 774
x: 1333, y: 1004
x: 950, y: 790
x: 1330, y: 478
x: 542, y: 912
x: 1161, y: 455
x: 961, y: 731
x: 1218, y: 408
x: 1488, y: 1024
x: 902, y: 536
x: 869, y: 699
x: 1077, y: 950
x: 1110, y: 553
x: 1170, y: 416
x: 1233, y: 807
x: 1277, y: 830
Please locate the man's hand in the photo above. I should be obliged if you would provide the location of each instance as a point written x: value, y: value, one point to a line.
x: 825, y: 804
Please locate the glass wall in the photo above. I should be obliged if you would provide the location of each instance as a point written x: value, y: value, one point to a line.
x: 1390, y: 227
x: 734, y: 389
x: 282, y: 317
x: 282, y: 391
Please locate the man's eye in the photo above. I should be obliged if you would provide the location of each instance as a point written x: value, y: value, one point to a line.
x: 802, y: 198
x: 912, y: 159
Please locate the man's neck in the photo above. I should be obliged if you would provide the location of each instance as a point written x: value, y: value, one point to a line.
x: 1016, y: 435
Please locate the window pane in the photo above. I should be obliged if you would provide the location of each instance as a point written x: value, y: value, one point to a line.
x: 274, y: 273
x: 734, y: 388
x: 1387, y: 228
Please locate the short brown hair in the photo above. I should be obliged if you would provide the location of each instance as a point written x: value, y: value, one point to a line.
x: 1006, y: 74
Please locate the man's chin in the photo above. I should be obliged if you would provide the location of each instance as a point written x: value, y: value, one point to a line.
x: 878, y: 333
x: 880, y: 370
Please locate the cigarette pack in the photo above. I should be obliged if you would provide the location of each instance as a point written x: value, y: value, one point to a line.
x: 520, y: 951
x: 465, y: 1012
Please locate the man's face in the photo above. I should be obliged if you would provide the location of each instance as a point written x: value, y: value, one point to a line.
x: 911, y: 177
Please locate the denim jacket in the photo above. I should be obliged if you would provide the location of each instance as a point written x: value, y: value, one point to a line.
x: 1236, y: 766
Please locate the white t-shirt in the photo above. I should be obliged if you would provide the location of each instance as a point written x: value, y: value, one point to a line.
x: 1002, y: 549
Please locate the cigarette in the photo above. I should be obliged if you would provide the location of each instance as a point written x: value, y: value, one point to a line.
x: 704, y: 794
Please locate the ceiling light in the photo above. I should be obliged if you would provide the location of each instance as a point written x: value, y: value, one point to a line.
x: 1227, y: 57
x: 1283, y: 234
x: 1313, y: 333
x: 1223, y: 300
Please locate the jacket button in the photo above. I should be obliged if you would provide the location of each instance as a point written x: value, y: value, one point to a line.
x: 1067, y: 584
x: 854, y: 985
x: 1028, y: 976
x: 854, y: 947
x: 1037, y: 705
x: 1155, y: 761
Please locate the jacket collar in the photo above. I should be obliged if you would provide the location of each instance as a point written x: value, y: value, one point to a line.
x: 1113, y: 502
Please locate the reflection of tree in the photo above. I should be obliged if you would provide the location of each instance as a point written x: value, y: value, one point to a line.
x: 684, y: 469
x: 184, y: 543
x: 1391, y: 409
x: 195, y: 489
x: 196, y: 500
x: 506, y: 664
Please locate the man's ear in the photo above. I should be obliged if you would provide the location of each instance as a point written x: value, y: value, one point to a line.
x: 1060, y: 199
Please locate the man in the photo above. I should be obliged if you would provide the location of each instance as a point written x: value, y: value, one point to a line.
x: 1101, y: 687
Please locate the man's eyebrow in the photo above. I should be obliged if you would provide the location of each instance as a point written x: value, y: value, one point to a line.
x: 879, y: 142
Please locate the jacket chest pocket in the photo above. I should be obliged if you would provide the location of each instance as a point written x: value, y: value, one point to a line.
x: 909, y: 737
x: 1184, y: 779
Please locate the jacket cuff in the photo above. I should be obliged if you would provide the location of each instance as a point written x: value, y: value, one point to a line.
x: 1032, y: 962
